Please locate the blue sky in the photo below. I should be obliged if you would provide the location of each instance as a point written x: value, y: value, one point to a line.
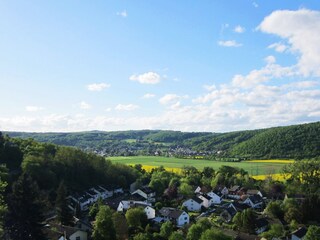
x: 182, y: 65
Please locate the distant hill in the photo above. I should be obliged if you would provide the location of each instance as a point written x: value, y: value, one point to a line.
x: 297, y: 141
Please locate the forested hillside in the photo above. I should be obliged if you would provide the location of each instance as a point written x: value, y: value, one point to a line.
x: 298, y: 141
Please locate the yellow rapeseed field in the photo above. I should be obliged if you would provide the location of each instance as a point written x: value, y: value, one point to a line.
x: 272, y: 161
x: 276, y: 177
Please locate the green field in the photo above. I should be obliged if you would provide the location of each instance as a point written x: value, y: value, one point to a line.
x: 253, y: 168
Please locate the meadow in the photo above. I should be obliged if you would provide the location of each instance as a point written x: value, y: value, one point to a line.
x: 254, y: 167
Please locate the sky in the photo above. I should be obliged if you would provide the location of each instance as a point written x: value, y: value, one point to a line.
x: 187, y: 65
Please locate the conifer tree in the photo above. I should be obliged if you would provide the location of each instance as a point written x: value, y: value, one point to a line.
x: 25, y: 217
x: 64, y: 213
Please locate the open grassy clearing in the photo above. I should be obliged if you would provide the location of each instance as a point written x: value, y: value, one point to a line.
x: 253, y: 168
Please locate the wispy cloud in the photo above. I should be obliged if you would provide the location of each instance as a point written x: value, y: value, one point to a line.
x: 239, y: 29
x: 229, y: 43
x: 255, y: 4
x: 34, y: 108
x: 84, y: 105
x: 148, y: 95
x: 123, y: 13
x: 128, y: 107
x: 97, y: 86
x: 146, y: 78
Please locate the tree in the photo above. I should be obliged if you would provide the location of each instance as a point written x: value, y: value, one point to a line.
x: 245, y: 220
x: 292, y: 213
x: 274, y: 208
x: 3, y: 205
x: 185, y: 190
x: 176, y: 236
x: 121, y: 225
x: 25, y: 216
x: 194, y: 232
x: 65, y: 216
x: 142, y: 236
x: 276, y: 231
x: 313, y: 233
x: 166, y: 229
x: 136, y: 217
x: 103, y: 227
x: 213, y: 234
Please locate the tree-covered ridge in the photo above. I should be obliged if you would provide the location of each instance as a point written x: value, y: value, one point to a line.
x: 298, y: 141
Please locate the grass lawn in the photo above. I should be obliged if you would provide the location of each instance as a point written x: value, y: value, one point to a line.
x: 253, y: 168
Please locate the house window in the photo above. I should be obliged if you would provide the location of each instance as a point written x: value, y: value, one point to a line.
x: 78, y: 238
x: 186, y: 218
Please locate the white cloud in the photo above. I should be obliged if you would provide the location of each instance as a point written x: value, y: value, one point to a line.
x: 97, y: 86
x: 33, y: 108
x: 279, y: 47
x: 108, y: 109
x: 210, y: 87
x: 229, y: 43
x: 301, y: 30
x: 255, y: 4
x: 239, y: 29
x: 148, y: 95
x: 128, y: 107
x: 146, y: 78
x: 171, y: 99
x: 123, y: 13
x: 84, y: 105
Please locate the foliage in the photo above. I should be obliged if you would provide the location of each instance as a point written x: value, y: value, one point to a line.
x: 245, y: 220
x: 275, y: 231
x: 176, y: 236
x: 65, y: 216
x: 103, y: 227
x: 121, y: 226
x: 136, y: 217
x: 166, y: 229
x: 313, y: 233
x: 25, y: 215
x: 214, y: 234
x: 3, y: 206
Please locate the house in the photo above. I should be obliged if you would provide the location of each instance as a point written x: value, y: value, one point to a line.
x: 103, y: 192
x: 252, y: 192
x: 228, y: 213
x: 254, y: 201
x: 299, y: 234
x: 261, y: 225
x: 178, y: 217
x: 93, y: 194
x: 60, y: 232
x: 125, y: 205
x: 215, y: 197
x: 193, y: 204
x: 117, y: 190
x: 233, y: 192
x: 239, y: 207
x: 147, y: 193
x: 206, y: 200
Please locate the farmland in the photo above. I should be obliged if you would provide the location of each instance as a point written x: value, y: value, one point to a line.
x: 252, y: 167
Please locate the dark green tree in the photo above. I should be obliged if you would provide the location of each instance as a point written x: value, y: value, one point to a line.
x: 176, y: 236
x: 103, y: 227
x: 65, y: 216
x: 313, y: 233
x: 121, y: 225
x: 25, y: 217
x: 213, y: 234
x: 136, y: 217
x: 3, y: 206
x: 166, y: 229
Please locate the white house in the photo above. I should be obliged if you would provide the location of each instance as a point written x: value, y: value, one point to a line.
x: 118, y: 190
x: 254, y: 201
x: 103, y: 192
x: 215, y: 198
x: 147, y: 193
x: 125, y: 205
x: 206, y: 200
x: 93, y: 194
x: 178, y: 217
x: 299, y: 234
x: 78, y: 235
x: 193, y: 204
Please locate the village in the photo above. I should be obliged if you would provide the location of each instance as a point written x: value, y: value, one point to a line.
x: 220, y: 205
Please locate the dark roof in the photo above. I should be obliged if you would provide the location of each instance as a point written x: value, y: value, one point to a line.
x: 55, y: 231
x: 255, y: 198
x: 231, y: 211
x: 136, y: 197
x: 300, y: 232
x: 147, y: 189
x: 206, y: 196
x: 198, y: 200
x: 262, y: 222
x: 239, y: 206
x: 170, y: 212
